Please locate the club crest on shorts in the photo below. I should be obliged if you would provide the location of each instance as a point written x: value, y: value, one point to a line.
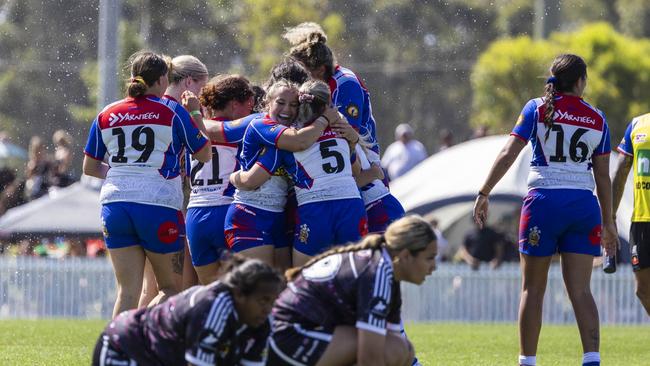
x: 104, y: 230
x: 534, y: 235
x: 303, y: 236
x: 352, y: 110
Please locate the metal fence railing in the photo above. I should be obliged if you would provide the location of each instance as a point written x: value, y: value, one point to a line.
x: 32, y: 287
x: 456, y: 293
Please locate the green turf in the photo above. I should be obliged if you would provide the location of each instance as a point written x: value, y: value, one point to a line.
x: 70, y: 342
x: 497, y: 344
x: 48, y: 342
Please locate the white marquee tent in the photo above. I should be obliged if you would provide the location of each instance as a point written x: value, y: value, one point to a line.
x: 74, y: 210
x: 445, y: 185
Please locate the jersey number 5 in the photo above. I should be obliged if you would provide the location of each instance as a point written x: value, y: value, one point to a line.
x: 325, y: 153
x: 145, y: 148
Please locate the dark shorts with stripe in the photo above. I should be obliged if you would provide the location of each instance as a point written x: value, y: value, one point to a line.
x: 107, y: 355
x: 291, y: 344
x: 640, y: 245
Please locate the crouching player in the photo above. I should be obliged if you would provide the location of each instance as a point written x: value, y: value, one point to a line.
x: 224, y: 323
x: 343, y: 306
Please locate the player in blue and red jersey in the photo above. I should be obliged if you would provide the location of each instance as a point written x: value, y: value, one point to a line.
x: 381, y: 206
x: 187, y: 74
x: 352, y: 98
x: 224, y: 323
x: 255, y: 223
x: 571, y: 146
x: 349, y: 94
x: 142, y: 138
x: 344, y: 306
x: 330, y: 210
x: 225, y: 98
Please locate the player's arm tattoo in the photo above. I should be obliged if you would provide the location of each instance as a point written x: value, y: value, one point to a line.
x: 177, y: 262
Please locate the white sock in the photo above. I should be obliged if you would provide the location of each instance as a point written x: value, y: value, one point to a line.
x: 527, y: 360
x: 591, y: 357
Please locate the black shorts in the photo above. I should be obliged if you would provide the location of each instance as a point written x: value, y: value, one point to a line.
x: 106, y: 355
x: 640, y: 245
x: 291, y: 344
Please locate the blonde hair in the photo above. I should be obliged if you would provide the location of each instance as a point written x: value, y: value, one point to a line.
x: 185, y: 66
x: 309, y: 46
x: 61, y: 137
x: 410, y: 232
x: 273, y: 89
x: 319, y: 93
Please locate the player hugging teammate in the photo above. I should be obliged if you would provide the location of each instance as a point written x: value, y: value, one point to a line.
x: 271, y: 186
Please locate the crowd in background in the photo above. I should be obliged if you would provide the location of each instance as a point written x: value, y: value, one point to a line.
x: 47, y: 167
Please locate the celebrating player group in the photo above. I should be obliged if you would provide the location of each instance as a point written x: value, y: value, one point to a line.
x: 252, y: 182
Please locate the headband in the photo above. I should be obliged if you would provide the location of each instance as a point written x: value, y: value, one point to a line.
x: 551, y: 80
x: 138, y: 79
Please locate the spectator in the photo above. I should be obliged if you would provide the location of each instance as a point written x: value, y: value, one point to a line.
x: 483, y: 245
x: 39, y: 170
x: 446, y: 139
x: 403, y: 154
x: 443, y: 244
x: 12, y: 190
x: 62, y: 168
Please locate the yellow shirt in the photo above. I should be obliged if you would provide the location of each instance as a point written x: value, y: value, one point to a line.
x: 636, y: 143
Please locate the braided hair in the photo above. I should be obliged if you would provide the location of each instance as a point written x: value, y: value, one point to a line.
x: 410, y: 232
x: 566, y: 70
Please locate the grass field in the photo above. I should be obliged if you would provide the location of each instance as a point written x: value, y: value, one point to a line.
x: 70, y: 342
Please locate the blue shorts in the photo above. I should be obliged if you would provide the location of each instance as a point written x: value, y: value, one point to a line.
x: 249, y: 227
x: 205, y: 233
x: 383, y: 212
x: 157, y: 229
x: 321, y: 225
x: 560, y: 220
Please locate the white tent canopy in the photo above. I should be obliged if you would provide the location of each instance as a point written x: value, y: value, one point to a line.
x: 447, y: 183
x: 74, y: 210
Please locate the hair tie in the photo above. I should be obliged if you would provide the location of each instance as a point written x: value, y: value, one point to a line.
x: 305, y: 98
x: 551, y: 80
x: 138, y: 79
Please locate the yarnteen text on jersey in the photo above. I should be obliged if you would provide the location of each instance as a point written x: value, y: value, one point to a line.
x: 120, y: 117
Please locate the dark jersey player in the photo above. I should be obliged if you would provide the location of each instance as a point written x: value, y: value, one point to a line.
x: 344, y: 305
x: 224, y: 323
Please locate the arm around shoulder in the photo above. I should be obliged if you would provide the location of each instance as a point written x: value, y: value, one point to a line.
x: 204, y: 154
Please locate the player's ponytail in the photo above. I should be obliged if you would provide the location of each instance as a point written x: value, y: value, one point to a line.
x: 566, y: 70
x: 371, y: 241
x: 246, y: 275
x: 549, y: 104
x: 309, y: 47
x: 410, y: 232
x: 145, y: 69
